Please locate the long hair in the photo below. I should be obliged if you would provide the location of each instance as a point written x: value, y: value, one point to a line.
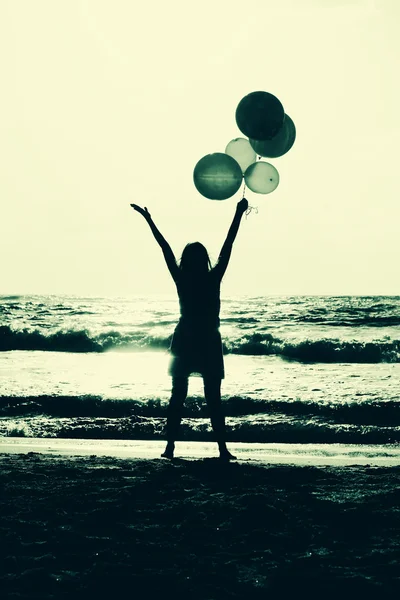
x: 195, y: 259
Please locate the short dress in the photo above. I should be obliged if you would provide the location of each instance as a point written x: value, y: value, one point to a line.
x: 196, y: 345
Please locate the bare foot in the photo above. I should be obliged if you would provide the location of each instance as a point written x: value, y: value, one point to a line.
x: 226, y: 455
x: 168, y: 452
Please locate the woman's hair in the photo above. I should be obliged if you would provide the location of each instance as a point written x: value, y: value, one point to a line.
x: 195, y: 259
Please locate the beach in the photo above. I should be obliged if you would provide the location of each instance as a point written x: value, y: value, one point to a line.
x: 200, y: 332
x: 311, y: 398
x: 74, y: 526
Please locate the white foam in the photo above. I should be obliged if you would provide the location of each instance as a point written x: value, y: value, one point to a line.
x: 297, y: 454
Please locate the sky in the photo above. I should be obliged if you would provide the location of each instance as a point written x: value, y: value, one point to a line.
x: 109, y: 102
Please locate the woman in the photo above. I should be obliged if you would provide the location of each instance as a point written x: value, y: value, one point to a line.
x: 196, y: 345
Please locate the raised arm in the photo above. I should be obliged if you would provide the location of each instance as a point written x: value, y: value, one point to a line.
x: 226, y: 249
x: 165, y: 247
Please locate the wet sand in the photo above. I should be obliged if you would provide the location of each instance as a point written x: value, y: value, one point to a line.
x: 385, y: 455
x: 105, y: 526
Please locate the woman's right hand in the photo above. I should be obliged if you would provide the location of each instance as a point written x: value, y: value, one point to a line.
x: 143, y: 211
x: 242, y: 206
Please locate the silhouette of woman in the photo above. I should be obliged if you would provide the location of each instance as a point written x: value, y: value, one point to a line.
x: 196, y: 345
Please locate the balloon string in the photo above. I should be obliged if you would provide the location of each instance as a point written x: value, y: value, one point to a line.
x: 250, y: 208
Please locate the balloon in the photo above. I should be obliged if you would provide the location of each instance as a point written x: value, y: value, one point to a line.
x: 217, y: 176
x: 259, y: 115
x: 261, y: 178
x: 280, y: 143
x: 242, y: 152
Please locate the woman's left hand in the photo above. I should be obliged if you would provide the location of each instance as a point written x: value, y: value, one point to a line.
x: 143, y: 211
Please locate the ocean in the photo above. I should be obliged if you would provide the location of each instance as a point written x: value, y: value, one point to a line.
x: 299, y: 370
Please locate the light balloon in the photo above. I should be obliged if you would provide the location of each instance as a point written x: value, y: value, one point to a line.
x: 261, y: 178
x: 241, y: 150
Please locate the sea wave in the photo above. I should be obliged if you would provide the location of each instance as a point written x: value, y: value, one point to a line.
x: 324, y: 350
x: 75, y: 340
x: 354, y: 321
x: 256, y: 344
x: 371, y: 412
x: 247, y: 420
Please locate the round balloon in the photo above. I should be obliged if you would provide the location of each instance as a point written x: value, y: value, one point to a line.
x: 260, y: 115
x: 217, y: 176
x: 261, y: 178
x: 241, y: 150
x: 279, y: 144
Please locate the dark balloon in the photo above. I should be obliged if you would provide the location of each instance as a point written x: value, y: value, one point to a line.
x: 260, y: 115
x: 279, y: 144
x: 217, y: 176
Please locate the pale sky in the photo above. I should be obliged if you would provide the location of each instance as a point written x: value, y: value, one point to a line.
x: 108, y: 102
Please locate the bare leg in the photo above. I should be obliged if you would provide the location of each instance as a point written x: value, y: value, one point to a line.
x: 212, y: 392
x: 174, y: 413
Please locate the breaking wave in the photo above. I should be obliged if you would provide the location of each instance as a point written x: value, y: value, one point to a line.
x: 256, y: 344
x: 248, y: 420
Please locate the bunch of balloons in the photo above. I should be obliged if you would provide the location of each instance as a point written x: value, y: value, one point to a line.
x: 270, y: 133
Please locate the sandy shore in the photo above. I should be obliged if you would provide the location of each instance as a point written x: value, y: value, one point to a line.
x: 296, y: 454
x: 100, y: 526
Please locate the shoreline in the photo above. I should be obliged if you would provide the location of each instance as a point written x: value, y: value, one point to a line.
x: 266, y: 454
